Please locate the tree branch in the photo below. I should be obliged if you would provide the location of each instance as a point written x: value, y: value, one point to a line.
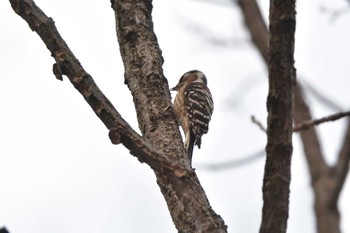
x: 276, y: 185
x: 324, y: 180
x: 256, y: 26
x: 327, y: 102
x: 311, y: 144
x: 309, y: 138
x: 67, y: 64
x: 258, y: 31
x: 306, y: 124
x: 258, y: 123
x: 233, y: 163
x: 342, y: 167
x: 186, y: 199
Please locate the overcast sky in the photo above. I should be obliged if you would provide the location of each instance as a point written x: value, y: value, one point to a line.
x: 59, y: 173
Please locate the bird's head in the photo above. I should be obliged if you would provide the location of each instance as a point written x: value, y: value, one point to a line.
x: 190, y: 77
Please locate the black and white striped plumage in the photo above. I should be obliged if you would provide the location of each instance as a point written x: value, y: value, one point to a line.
x: 193, y: 107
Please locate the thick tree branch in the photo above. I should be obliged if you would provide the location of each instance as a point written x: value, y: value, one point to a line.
x: 186, y: 199
x: 279, y: 147
x: 187, y: 202
x: 311, y: 144
x: 67, y: 64
x: 309, y: 137
x: 326, y: 181
x: 341, y: 169
x: 256, y: 26
x: 259, y: 32
x: 324, y: 100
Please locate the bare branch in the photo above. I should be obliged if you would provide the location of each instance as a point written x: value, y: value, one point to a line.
x: 188, y: 205
x: 304, y: 125
x: 334, y: 14
x: 312, y: 148
x: 317, y: 165
x: 233, y: 163
x: 321, y: 97
x: 256, y: 25
x: 144, y: 77
x: 258, y: 123
x: 341, y: 168
x: 259, y: 33
x: 67, y: 64
x: 310, y: 123
x: 322, y: 176
x: 279, y: 148
x: 307, y: 124
x: 212, y: 38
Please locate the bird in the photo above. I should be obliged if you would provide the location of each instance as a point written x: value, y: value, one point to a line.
x: 193, y: 107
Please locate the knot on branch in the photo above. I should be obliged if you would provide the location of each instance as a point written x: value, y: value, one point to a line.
x: 114, y: 136
x: 57, y: 71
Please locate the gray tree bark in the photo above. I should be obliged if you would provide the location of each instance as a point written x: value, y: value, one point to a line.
x: 279, y: 147
x: 160, y: 145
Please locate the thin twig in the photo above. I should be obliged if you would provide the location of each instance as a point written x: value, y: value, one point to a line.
x: 232, y: 163
x: 321, y: 97
x: 258, y: 123
x: 310, y: 123
x: 334, y: 14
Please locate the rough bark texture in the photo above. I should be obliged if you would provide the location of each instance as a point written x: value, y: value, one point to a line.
x: 327, y: 181
x: 187, y: 203
x: 161, y: 146
x: 67, y: 64
x: 280, y: 118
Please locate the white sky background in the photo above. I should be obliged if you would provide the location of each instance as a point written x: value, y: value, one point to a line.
x: 60, y: 173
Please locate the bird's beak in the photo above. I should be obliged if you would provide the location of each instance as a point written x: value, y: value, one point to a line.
x: 173, y: 89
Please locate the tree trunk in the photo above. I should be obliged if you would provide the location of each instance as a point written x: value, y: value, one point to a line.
x: 186, y: 199
x: 280, y: 118
x: 327, y: 214
x: 161, y: 146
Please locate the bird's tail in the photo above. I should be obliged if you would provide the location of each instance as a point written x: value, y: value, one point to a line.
x: 191, y: 146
